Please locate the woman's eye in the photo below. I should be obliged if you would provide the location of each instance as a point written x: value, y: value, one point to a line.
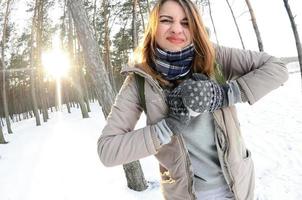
x: 166, y: 21
x: 185, y: 24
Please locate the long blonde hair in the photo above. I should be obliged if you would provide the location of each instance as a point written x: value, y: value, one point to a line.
x: 203, y: 61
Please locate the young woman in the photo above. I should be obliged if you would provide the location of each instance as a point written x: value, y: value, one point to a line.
x: 191, y: 87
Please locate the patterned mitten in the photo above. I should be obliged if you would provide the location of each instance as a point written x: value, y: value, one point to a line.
x: 204, y: 95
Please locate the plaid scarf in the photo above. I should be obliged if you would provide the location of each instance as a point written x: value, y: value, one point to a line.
x: 174, y: 65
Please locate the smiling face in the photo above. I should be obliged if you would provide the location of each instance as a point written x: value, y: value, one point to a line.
x: 172, y: 32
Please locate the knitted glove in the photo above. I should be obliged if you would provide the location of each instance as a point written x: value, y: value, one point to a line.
x: 204, y: 95
x: 178, y: 115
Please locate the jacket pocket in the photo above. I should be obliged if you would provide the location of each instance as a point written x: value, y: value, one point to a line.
x: 244, y: 177
x: 248, y: 155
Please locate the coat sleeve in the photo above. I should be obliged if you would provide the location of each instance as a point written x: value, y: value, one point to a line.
x: 257, y: 73
x: 119, y: 143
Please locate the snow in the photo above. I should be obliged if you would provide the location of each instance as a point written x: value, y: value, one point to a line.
x: 58, y: 160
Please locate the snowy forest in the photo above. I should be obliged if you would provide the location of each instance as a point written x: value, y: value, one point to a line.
x: 67, y: 58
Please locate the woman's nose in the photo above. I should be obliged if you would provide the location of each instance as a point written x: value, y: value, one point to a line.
x: 176, y: 28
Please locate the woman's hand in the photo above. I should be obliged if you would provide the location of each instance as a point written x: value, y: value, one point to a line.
x: 204, y: 95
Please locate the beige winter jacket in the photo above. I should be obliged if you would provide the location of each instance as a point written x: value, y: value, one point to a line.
x: 257, y: 74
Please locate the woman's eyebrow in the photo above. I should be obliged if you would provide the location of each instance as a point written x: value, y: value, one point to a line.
x: 170, y: 17
x: 167, y: 16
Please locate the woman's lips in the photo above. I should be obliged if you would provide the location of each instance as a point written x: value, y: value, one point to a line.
x: 175, y: 40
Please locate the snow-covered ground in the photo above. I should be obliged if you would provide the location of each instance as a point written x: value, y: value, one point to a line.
x: 58, y: 160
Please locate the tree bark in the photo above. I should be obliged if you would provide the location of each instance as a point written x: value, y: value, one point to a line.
x: 134, y: 27
x: 295, y: 31
x: 148, y: 6
x: 235, y: 21
x: 77, y: 71
x: 1, y: 122
x: 33, y: 74
x: 83, y: 80
x: 135, y: 177
x: 65, y: 85
x: 4, y: 97
x: 2, y: 139
x: 107, y: 56
x: 255, y: 25
x: 212, y: 21
x: 66, y: 94
x: 94, y: 19
x: 97, y: 71
x: 141, y: 14
x: 42, y: 86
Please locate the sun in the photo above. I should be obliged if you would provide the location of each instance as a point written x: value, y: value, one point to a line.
x: 56, y: 63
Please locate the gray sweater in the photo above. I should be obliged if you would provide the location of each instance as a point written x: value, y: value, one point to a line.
x: 199, y: 138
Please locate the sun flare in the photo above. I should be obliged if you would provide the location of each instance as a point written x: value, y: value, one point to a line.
x: 56, y: 63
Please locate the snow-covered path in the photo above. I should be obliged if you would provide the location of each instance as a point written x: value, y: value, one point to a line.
x: 58, y: 161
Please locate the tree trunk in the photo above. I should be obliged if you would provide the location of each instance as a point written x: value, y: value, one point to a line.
x: 97, y: 71
x: 141, y: 14
x: 34, y: 98
x: 107, y: 56
x: 83, y: 81
x: 2, y: 139
x: 39, y: 28
x: 94, y: 19
x: 79, y: 91
x: 235, y: 21
x: 4, y: 97
x: 77, y: 69
x: 135, y: 177
x: 295, y: 31
x: 212, y: 21
x: 33, y: 74
x: 66, y: 95
x: 255, y: 25
x: 148, y: 6
x: 65, y: 84
x: 134, y: 27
